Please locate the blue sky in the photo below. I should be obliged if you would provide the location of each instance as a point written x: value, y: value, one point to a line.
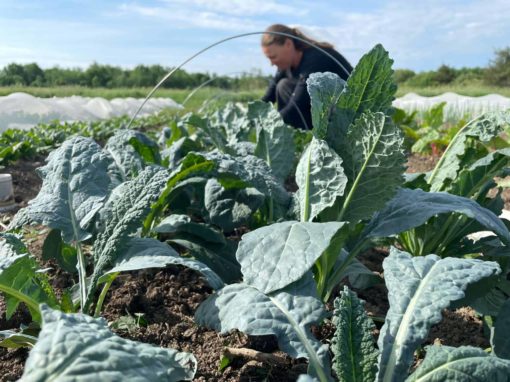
x: 419, y: 35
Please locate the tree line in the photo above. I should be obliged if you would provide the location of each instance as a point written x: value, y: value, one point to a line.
x: 497, y: 73
x: 107, y: 76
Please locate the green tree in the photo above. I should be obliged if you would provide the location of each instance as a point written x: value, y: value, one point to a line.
x: 498, y: 72
x: 402, y: 75
x: 423, y: 79
x: 13, y: 74
x: 33, y: 75
x: 445, y: 75
x: 100, y: 75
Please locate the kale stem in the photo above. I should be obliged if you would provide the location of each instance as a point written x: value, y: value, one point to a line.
x: 82, y: 276
x: 32, y: 304
x: 102, y: 296
x: 313, y: 358
x: 335, y: 278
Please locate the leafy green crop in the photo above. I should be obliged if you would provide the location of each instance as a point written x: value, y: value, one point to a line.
x: 418, y: 290
x: 355, y: 163
x: 232, y: 171
x: 78, y: 201
x: 287, y: 314
x: 445, y: 363
x: 278, y: 295
x: 355, y: 355
x: 467, y: 169
x: 20, y: 280
x: 43, y: 138
x: 82, y: 348
x: 483, y: 129
x: 132, y: 151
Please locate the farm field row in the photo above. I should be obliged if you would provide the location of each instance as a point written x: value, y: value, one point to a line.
x: 152, y: 238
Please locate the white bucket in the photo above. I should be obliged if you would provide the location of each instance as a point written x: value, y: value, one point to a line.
x: 6, y: 193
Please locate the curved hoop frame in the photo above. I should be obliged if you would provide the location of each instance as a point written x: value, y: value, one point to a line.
x: 169, y: 74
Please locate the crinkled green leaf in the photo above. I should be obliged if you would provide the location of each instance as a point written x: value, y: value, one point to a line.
x: 75, y: 186
x: 204, y: 243
x: 412, y: 208
x: 360, y: 277
x: 179, y: 150
x: 252, y: 171
x: 221, y: 259
x: 131, y: 151
x: 242, y: 148
x: 143, y: 253
x: 324, y: 90
x: 178, y: 225
x: 483, y: 128
x: 287, y: 314
x: 501, y: 337
x: 374, y: 167
x: 355, y: 355
x: 233, y: 120
x: 230, y: 208
x: 123, y: 214
x: 490, y: 304
x: 231, y: 172
x: 77, y: 347
x: 55, y: 248
x: 320, y: 178
x: 19, y: 278
x: 13, y: 340
x: 275, y: 140
x: 462, y: 364
x: 419, y: 289
x: 470, y: 181
x: 277, y: 255
x: 210, y: 131
x: 370, y: 87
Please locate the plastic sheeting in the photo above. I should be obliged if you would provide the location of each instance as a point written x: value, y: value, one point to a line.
x: 23, y: 111
x: 457, y: 106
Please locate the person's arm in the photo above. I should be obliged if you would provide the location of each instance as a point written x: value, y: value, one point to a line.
x: 297, y: 112
x: 270, y: 95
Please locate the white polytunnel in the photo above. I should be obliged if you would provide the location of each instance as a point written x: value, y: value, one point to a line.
x: 23, y: 111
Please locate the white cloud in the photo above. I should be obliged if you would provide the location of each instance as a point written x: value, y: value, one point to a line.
x: 234, y: 15
x: 417, y: 34
x: 186, y: 18
x: 42, y: 57
x: 245, y: 8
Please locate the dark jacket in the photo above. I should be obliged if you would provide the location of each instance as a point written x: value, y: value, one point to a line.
x: 312, y: 61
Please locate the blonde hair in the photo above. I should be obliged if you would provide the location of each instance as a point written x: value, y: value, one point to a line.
x: 279, y: 39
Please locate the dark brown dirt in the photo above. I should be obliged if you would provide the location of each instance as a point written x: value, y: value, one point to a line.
x: 420, y: 163
x: 168, y: 299
x: 26, y: 182
x: 12, y: 360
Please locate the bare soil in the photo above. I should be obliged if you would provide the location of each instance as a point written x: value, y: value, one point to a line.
x: 420, y: 163
x: 168, y: 299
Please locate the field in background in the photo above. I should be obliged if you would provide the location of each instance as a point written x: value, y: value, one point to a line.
x: 179, y: 95
x: 471, y: 91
